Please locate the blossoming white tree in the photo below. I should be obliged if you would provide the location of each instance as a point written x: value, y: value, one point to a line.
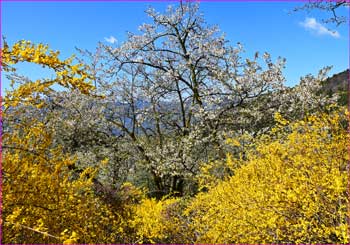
x: 172, y: 93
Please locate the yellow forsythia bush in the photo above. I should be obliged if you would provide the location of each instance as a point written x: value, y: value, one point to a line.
x: 292, y: 188
x: 160, y: 221
x: 67, y: 74
x: 42, y: 201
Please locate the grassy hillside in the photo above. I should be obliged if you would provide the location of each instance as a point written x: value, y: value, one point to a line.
x: 338, y: 84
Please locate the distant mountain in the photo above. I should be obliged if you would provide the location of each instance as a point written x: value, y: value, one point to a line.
x: 338, y: 83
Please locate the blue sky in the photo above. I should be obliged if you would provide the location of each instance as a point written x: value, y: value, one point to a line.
x: 299, y: 37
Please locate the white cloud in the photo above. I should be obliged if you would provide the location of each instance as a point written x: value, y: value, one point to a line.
x: 111, y: 39
x: 312, y: 25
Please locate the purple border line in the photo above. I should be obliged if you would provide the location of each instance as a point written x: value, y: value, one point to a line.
x: 348, y: 165
x: 159, y: 0
x: 1, y: 123
x: 170, y: 244
x: 1, y: 97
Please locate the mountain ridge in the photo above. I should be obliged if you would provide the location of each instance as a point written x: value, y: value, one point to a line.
x: 338, y: 83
